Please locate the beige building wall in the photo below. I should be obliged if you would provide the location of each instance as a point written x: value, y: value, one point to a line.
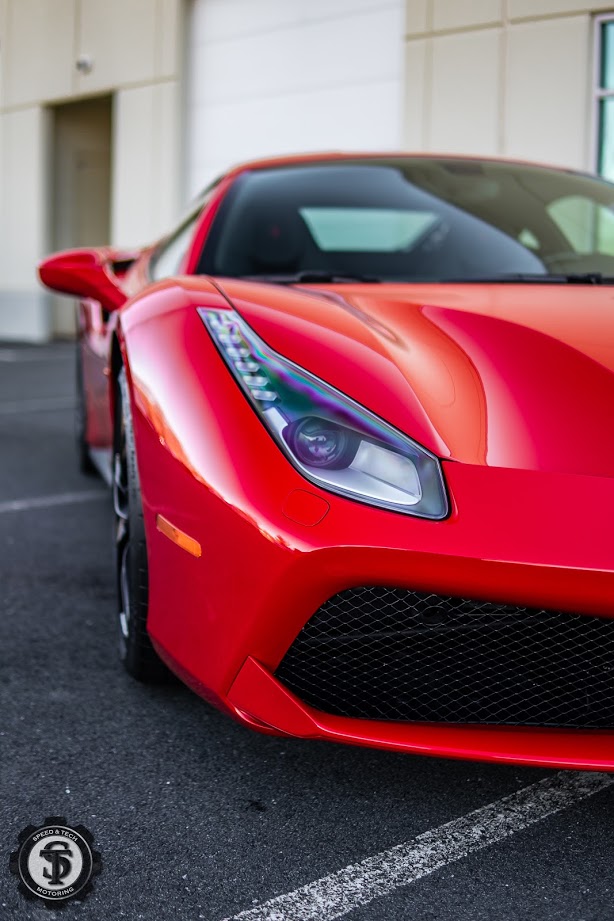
x: 130, y: 48
x: 508, y: 77
x: 280, y: 76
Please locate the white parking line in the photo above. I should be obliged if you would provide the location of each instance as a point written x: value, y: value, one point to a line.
x: 44, y: 404
x: 64, y: 498
x: 335, y: 895
x: 17, y: 355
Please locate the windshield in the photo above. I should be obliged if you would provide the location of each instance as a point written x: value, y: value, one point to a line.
x: 413, y: 219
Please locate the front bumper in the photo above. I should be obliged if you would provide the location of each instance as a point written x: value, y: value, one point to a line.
x: 259, y: 700
x: 257, y: 601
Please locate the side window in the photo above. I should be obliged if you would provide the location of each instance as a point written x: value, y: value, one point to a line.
x: 588, y: 226
x: 167, y: 260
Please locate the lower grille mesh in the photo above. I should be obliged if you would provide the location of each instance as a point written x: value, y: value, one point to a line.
x: 391, y: 654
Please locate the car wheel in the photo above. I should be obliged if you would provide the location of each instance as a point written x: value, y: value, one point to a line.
x: 135, y: 648
x: 83, y: 455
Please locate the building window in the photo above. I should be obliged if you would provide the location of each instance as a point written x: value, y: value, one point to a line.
x: 604, y: 96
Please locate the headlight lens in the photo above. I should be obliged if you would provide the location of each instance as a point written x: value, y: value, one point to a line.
x: 333, y: 441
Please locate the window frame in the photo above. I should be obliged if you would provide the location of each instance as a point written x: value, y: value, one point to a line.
x: 599, y: 93
x: 192, y: 217
x: 163, y: 247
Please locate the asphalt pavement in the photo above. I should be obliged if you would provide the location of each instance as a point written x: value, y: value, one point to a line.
x: 197, y: 817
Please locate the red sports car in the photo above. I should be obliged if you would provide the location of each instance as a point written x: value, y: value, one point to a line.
x: 356, y: 411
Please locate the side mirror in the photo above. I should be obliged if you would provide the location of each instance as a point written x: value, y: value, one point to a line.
x: 85, y: 273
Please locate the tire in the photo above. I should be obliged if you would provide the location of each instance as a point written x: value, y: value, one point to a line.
x: 135, y: 649
x: 84, y: 460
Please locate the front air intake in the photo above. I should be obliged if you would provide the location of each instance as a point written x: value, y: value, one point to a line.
x: 391, y: 654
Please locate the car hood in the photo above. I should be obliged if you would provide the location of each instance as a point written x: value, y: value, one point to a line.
x: 517, y: 376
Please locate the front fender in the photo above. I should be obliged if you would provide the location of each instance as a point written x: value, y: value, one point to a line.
x: 194, y: 430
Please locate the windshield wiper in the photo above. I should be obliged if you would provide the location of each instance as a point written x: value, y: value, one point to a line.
x: 588, y: 278
x: 511, y: 278
x: 316, y: 277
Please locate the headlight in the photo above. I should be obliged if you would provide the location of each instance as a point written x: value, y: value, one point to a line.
x: 333, y: 441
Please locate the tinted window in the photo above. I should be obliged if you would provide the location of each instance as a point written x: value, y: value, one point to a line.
x: 411, y: 219
x: 169, y: 257
x: 587, y: 225
x: 366, y: 230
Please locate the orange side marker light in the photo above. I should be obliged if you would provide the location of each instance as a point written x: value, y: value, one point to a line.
x: 178, y: 537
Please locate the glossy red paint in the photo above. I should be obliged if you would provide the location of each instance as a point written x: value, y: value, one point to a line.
x: 202, y: 451
x: 95, y: 329
x: 79, y: 270
x: 530, y: 519
x: 441, y: 361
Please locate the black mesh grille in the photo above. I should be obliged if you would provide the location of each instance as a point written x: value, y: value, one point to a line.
x: 391, y: 654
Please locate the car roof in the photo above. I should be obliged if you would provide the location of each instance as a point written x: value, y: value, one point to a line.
x: 330, y: 156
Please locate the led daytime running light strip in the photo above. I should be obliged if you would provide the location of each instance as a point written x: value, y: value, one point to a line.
x: 230, y: 340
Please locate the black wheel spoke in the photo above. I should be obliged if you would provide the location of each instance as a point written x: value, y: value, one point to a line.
x: 124, y: 592
x: 121, y: 507
x: 136, y: 651
x: 121, y: 533
x: 120, y: 484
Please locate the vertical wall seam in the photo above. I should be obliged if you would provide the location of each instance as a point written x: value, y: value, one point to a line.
x: 6, y: 54
x: 503, y: 78
x: 591, y: 152
x: 402, y: 74
x: 427, y: 102
x: 185, y: 13
x: 158, y: 40
x: 74, y: 80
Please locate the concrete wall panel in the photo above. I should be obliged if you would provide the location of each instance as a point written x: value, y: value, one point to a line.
x: 535, y: 9
x: 145, y: 161
x: 169, y: 38
x: 273, y: 76
x: 242, y: 131
x: 548, y: 91
x: 37, y: 50
x: 4, y: 7
x: 23, y: 306
x: 463, y: 14
x: 464, y: 102
x: 120, y: 38
x: 417, y: 16
x: 273, y: 64
x: 417, y: 76
x: 214, y: 20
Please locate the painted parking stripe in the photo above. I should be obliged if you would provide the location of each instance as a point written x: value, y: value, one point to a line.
x: 18, y: 355
x: 65, y: 498
x: 17, y: 407
x: 338, y: 894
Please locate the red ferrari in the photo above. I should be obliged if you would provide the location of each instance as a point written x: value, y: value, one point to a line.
x: 356, y: 415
